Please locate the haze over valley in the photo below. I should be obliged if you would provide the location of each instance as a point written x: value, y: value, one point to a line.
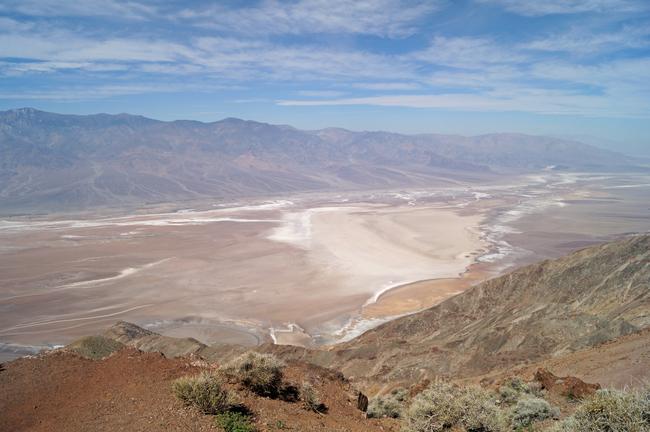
x: 258, y: 233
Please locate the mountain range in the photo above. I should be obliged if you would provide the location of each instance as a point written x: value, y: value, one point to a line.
x: 54, y: 162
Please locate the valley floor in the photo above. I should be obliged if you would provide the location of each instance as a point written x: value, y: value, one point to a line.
x: 308, y: 270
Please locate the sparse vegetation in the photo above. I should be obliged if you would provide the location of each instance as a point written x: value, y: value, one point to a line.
x: 480, y: 412
x: 204, y: 391
x: 444, y: 406
x: 610, y: 411
x: 515, y: 388
x: 310, y: 397
x: 390, y: 405
x: 262, y: 373
x: 531, y: 409
x: 95, y: 347
x: 235, y: 422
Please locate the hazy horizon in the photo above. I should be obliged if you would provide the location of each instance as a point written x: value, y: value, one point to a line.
x: 641, y: 152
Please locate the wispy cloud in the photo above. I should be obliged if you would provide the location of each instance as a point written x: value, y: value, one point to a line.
x: 581, y: 40
x: 387, y: 18
x: 586, y: 57
x: 467, y: 52
x: 558, y: 7
x: 80, y: 92
x: 85, y: 8
x: 546, y: 102
x: 387, y: 86
x: 321, y: 93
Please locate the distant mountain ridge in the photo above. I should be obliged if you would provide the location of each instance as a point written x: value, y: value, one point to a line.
x: 56, y: 161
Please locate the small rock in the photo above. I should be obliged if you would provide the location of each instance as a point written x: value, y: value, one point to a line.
x: 362, y: 402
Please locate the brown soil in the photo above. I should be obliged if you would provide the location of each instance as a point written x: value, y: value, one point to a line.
x: 130, y: 391
x: 571, y: 387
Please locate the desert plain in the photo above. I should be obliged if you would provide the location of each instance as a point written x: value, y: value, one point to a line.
x: 306, y: 269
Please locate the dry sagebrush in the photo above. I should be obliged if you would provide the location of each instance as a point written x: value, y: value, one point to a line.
x: 610, y: 411
x: 262, y: 373
x: 444, y: 406
x: 204, y: 391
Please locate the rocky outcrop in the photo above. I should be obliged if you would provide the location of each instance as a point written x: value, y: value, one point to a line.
x: 571, y: 387
x: 131, y: 335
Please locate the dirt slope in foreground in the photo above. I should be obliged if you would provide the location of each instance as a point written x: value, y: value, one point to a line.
x: 130, y: 391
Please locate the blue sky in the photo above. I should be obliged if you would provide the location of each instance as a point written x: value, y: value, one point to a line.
x: 560, y: 67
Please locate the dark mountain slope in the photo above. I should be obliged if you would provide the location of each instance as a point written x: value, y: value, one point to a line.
x: 539, y: 311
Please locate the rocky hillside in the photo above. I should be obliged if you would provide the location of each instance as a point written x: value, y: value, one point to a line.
x: 524, y: 337
x: 132, y: 391
x: 52, y: 162
x: 537, y: 312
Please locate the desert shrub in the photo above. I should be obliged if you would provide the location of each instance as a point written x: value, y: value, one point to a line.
x: 435, y: 409
x: 514, y: 388
x: 508, y: 395
x: 569, y: 424
x: 645, y: 404
x: 480, y: 412
x: 390, y: 405
x: 310, y: 398
x: 261, y: 373
x: 235, y: 422
x: 443, y: 406
x: 531, y: 409
x: 517, y: 384
x: 204, y: 391
x: 609, y: 411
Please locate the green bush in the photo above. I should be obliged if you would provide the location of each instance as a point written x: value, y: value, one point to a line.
x: 531, y: 409
x: 390, y: 405
x: 444, y: 406
x: 262, y: 373
x: 235, y: 422
x: 205, y: 391
x: 610, y: 411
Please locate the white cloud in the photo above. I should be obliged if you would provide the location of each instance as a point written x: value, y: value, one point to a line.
x: 540, y: 102
x: 61, y: 46
x: 552, y: 7
x: 486, y: 72
x: 229, y: 58
x: 55, y: 8
x: 12, y: 25
x: 79, y: 92
x: 390, y: 18
x: 387, y: 86
x: 320, y: 93
x: 587, y: 41
x: 467, y: 52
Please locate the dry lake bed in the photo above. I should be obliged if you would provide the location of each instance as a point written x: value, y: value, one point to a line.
x: 306, y: 269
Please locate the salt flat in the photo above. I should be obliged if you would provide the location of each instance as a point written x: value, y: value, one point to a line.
x: 305, y: 269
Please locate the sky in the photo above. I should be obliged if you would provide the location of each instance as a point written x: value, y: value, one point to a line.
x: 568, y: 68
